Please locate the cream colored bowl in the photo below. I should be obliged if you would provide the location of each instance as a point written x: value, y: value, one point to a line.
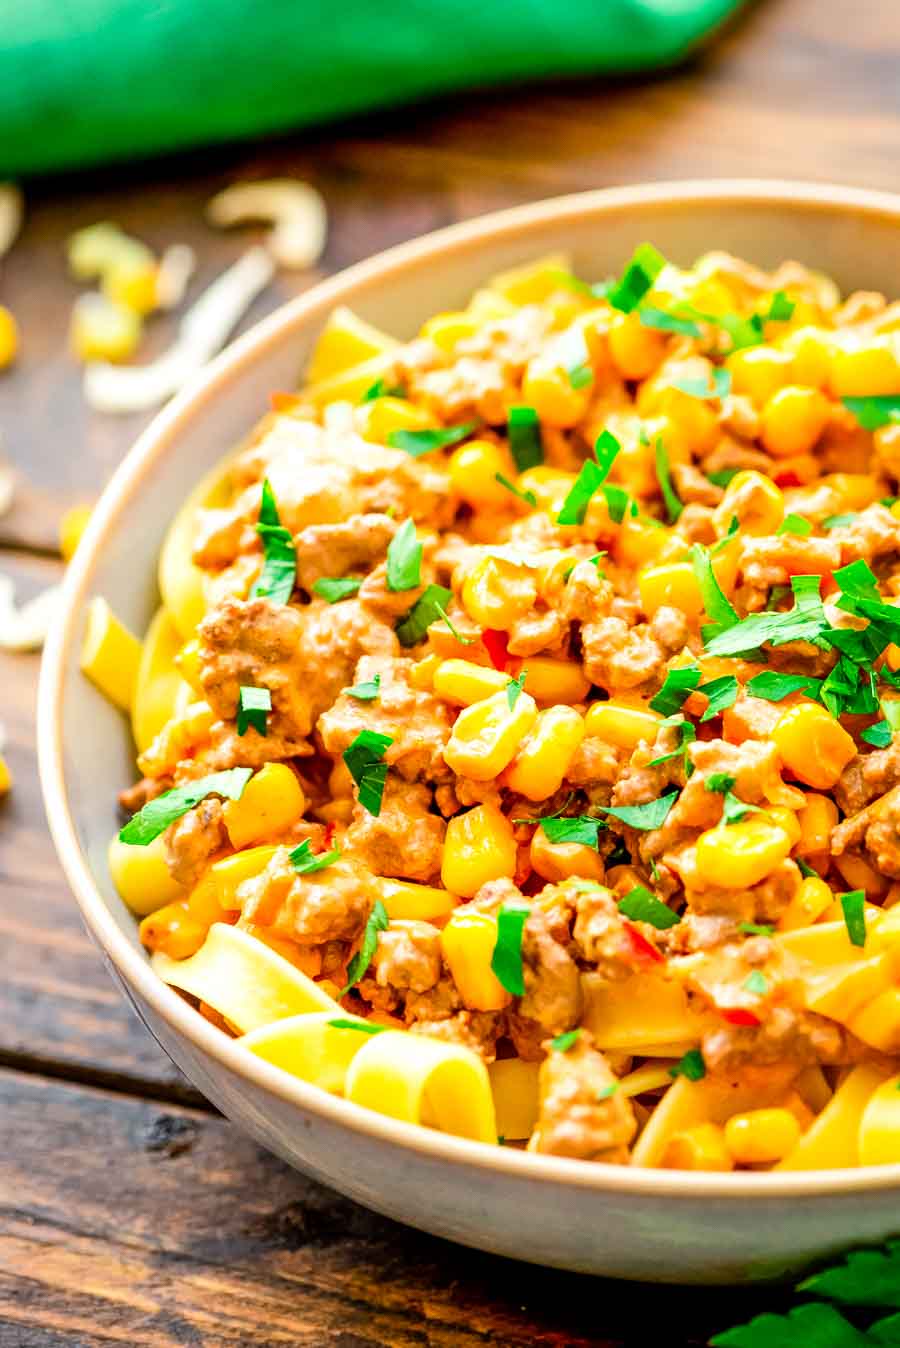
x: 657, y: 1225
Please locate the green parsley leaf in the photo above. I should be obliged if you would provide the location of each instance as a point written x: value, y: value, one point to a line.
x: 416, y: 443
x: 254, y: 705
x: 158, y: 814
x: 592, y: 474
x: 865, y: 1278
x: 676, y: 689
x: 414, y: 626
x: 839, y: 521
x: 674, y: 506
x: 506, y: 961
x: 774, y: 687
x: 382, y: 389
x: 617, y: 502
x: 607, y: 1091
x: 807, y: 871
x: 686, y: 736
x: 781, y: 309
x: 718, y: 386
x: 720, y: 782
x: 365, y: 692
x: 279, y: 571
x: 404, y: 559
x: 734, y: 810
x: 722, y: 694
x: 642, y: 906
x: 722, y: 543
x: 718, y: 608
x: 806, y: 621
x: 645, y: 817
x: 563, y: 1042
x: 811, y: 1326
x: 691, y: 1065
x: 871, y: 413
x: 365, y: 761
x: 378, y: 921
x: 362, y: 1026
x: 580, y: 375
x: 638, y: 277
x: 578, y: 829
x: 333, y: 588
x: 514, y: 688
x: 527, y: 496
x: 853, y: 906
x: 665, y: 322
x: 722, y: 476
x: 445, y: 618
x: 524, y: 430
x: 795, y: 524
x: 756, y: 929
x: 756, y: 983
x: 880, y: 734
x: 306, y: 862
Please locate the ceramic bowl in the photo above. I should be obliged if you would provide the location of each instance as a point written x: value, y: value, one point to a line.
x: 641, y: 1224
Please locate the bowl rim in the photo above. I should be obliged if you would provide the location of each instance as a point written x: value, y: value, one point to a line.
x: 149, y: 448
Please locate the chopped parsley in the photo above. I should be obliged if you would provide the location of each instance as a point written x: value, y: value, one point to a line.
x: 645, y: 817
x: 506, y: 961
x: 524, y: 430
x: 514, y: 688
x: 382, y: 389
x: 674, y: 506
x: 637, y: 279
x: 808, y: 872
x: 642, y: 906
x: 592, y: 475
x: 691, y: 1065
x: 718, y: 608
x: 795, y: 524
x: 307, y: 862
x: 445, y: 619
x: 756, y: 983
x: 756, y: 929
x: 279, y: 571
x: 367, y: 691
x: 734, y: 810
x: 427, y: 609
x: 781, y: 309
x: 607, y: 1091
x: 158, y: 814
x: 873, y: 412
x: 617, y: 502
x: 362, y: 1026
x: 676, y: 689
x: 839, y: 521
x: 573, y: 829
x: 416, y: 443
x: 378, y: 921
x: 563, y: 1042
x: 365, y: 761
x: 717, y: 386
x: 853, y: 906
x: 806, y: 621
x: 686, y: 736
x: 254, y: 705
x: 404, y: 559
x: 334, y: 588
x: 721, y: 544
x: 879, y: 735
x: 722, y: 694
x: 720, y: 782
x: 665, y: 322
x: 721, y: 477
x: 527, y: 496
x: 774, y: 687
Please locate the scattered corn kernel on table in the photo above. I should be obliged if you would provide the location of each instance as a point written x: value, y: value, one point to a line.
x: 129, y: 1211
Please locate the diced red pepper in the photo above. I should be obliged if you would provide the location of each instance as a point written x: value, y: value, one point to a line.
x: 639, y: 947
x: 787, y: 478
x: 495, y: 643
x: 329, y: 836
x: 739, y: 1015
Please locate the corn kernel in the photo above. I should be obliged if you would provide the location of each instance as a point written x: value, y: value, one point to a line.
x: 812, y: 899
x: 623, y: 726
x: 636, y: 350
x: 786, y: 818
x: 187, y: 662
x: 422, y: 674
x: 761, y: 1136
x: 863, y: 371
x: 549, y: 486
x: 793, y: 419
x: 548, y: 389
x: 479, y: 846
x: 71, y: 527
x: 639, y: 542
x: 271, y: 801
x: 420, y: 903
x: 754, y: 500
x: 672, y: 584
x: 694, y: 421
x: 446, y: 329
x: 376, y: 419
x: 699, y: 1148
x: 818, y: 816
x: 737, y: 856
x: 557, y: 861
x: 172, y: 930
x: 468, y: 942
x: 6, y: 780
x: 102, y: 330
x: 462, y: 682
x: 760, y: 371
x: 858, y: 874
x: 473, y: 469
x: 810, y: 349
x: 110, y: 654
x: 540, y: 765
x: 496, y: 592
x: 487, y: 734
x: 9, y: 338
x: 130, y: 279
x: 812, y: 745
x: 854, y: 491
x: 231, y: 872
x: 553, y: 681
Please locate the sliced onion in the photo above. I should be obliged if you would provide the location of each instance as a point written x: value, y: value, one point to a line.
x: 176, y: 267
x: 296, y: 210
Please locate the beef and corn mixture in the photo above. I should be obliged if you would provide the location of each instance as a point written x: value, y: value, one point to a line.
x: 524, y: 700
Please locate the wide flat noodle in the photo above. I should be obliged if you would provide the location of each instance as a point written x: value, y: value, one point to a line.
x: 832, y: 1141
x: 311, y: 1047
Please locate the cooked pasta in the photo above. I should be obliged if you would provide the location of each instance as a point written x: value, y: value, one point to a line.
x: 517, y: 735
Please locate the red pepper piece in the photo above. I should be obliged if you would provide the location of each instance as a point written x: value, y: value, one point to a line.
x: 739, y: 1015
x: 494, y: 643
x: 640, y: 947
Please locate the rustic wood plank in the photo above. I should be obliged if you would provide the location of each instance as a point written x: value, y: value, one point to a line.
x: 122, y: 1222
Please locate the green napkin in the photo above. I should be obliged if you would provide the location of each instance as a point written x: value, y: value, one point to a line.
x: 88, y: 80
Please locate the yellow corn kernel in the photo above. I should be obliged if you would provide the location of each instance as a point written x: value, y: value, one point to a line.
x: 818, y: 817
x: 487, y: 735
x: 231, y: 872
x: 623, y: 726
x: 446, y: 329
x: 110, y: 654
x: 762, y: 1136
x: 420, y: 903
x: 785, y: 818
x: 550, y: 486
x: 271, y: 801
x: 468, y: 942
x: 636, y: 350
x: 334, y: 811
x: 548, y: 389
x: 102, y: 330
x: 187, y: 662
x: 760, y: 371
x: 673, y: 584
x: 479, y: 846
x: 793, y: 419
x: 130, y: 280
x: 377, y: 418
x: 473, y: 469
x: 812, y: 899
x: 736, y: 856
x: 542, y: 762
x: 639, y: 542
x: 810, y: 349
x: 462, y: 682
x: 9, y: 338
x: 855, y: 491
x: 141, y: 875
x: 172, y: 930
x: 858, y: 874
x: 71, y: 527
x: 549, y: 680
x: 497, y: 593
x: 422, y: 674
x: 6, y: 780
x: 878, y: 1022
x: 754, y: 500
x: 699, y: 1148
x: 863, y: 371
x: 695, y: 423
x: 558, y: 861
x: 812, y: 745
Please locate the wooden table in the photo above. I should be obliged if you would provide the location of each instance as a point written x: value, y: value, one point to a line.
x: 130, y: 1212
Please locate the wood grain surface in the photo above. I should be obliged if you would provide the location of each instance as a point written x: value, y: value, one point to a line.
x: 129, y: 1212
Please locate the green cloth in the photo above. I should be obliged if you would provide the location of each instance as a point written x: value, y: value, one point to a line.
x: 82, y: 81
